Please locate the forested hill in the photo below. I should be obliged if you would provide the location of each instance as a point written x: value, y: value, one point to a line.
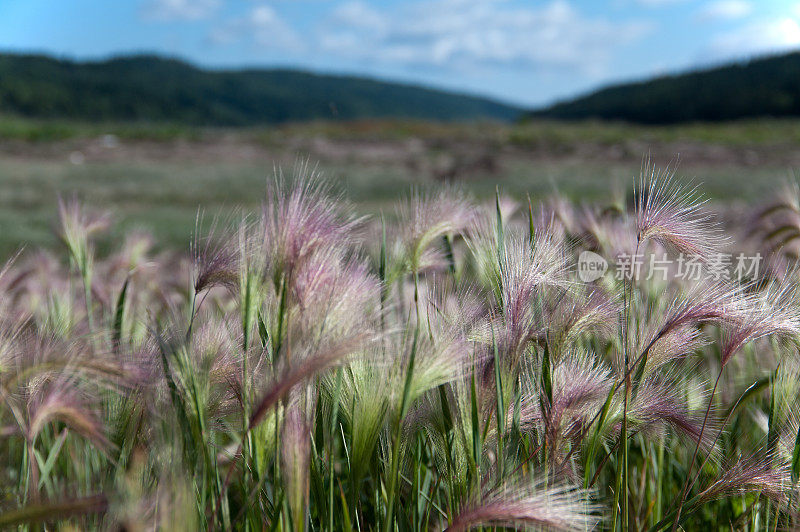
x: 767, y: 86
x: 153, y: 88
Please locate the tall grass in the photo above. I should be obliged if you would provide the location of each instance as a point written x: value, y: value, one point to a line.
x: 306, y: 369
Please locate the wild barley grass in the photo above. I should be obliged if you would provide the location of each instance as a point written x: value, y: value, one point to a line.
x: 306, y: 369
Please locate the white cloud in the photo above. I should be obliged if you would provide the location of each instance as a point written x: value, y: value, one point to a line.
x: 165, y: 10
x: 762, y: 36
x: 358, y: 14
x: 724, y: 10
x: 263, y: 26
x: 451, y: 33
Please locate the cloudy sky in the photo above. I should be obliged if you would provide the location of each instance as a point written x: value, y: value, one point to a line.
x: 527, y: 52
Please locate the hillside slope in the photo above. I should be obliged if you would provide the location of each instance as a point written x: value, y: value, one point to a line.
x: 767, y: 86
x: 157, y: 89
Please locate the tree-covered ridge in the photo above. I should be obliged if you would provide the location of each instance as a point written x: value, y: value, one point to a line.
x: 152, y: 88
x: 767, y: 86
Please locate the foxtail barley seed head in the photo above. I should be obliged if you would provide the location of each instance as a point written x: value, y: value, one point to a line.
x: 673, y: 215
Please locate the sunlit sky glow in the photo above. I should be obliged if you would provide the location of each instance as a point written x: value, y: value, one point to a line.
x: 524, y: 52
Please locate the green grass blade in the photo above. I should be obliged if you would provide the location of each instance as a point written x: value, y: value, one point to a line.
x: 476, y: 433
x: 119, y: 314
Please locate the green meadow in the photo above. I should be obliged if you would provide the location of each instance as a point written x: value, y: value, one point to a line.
x: 155, y: 177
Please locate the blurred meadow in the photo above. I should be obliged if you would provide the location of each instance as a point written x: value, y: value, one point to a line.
x: 158, y: 177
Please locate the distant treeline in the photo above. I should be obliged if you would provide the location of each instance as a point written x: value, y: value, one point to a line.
x: 151, y: 88
x: 761, y: 87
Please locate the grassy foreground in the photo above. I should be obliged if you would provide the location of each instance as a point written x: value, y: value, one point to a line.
x: 450, y: 368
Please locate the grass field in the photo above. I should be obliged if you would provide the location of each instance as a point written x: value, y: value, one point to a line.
x: 445, y: 366
x: 156, y: 177
x: 451, y: 369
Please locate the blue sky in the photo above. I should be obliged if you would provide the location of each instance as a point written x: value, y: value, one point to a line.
x: 524, y: 52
